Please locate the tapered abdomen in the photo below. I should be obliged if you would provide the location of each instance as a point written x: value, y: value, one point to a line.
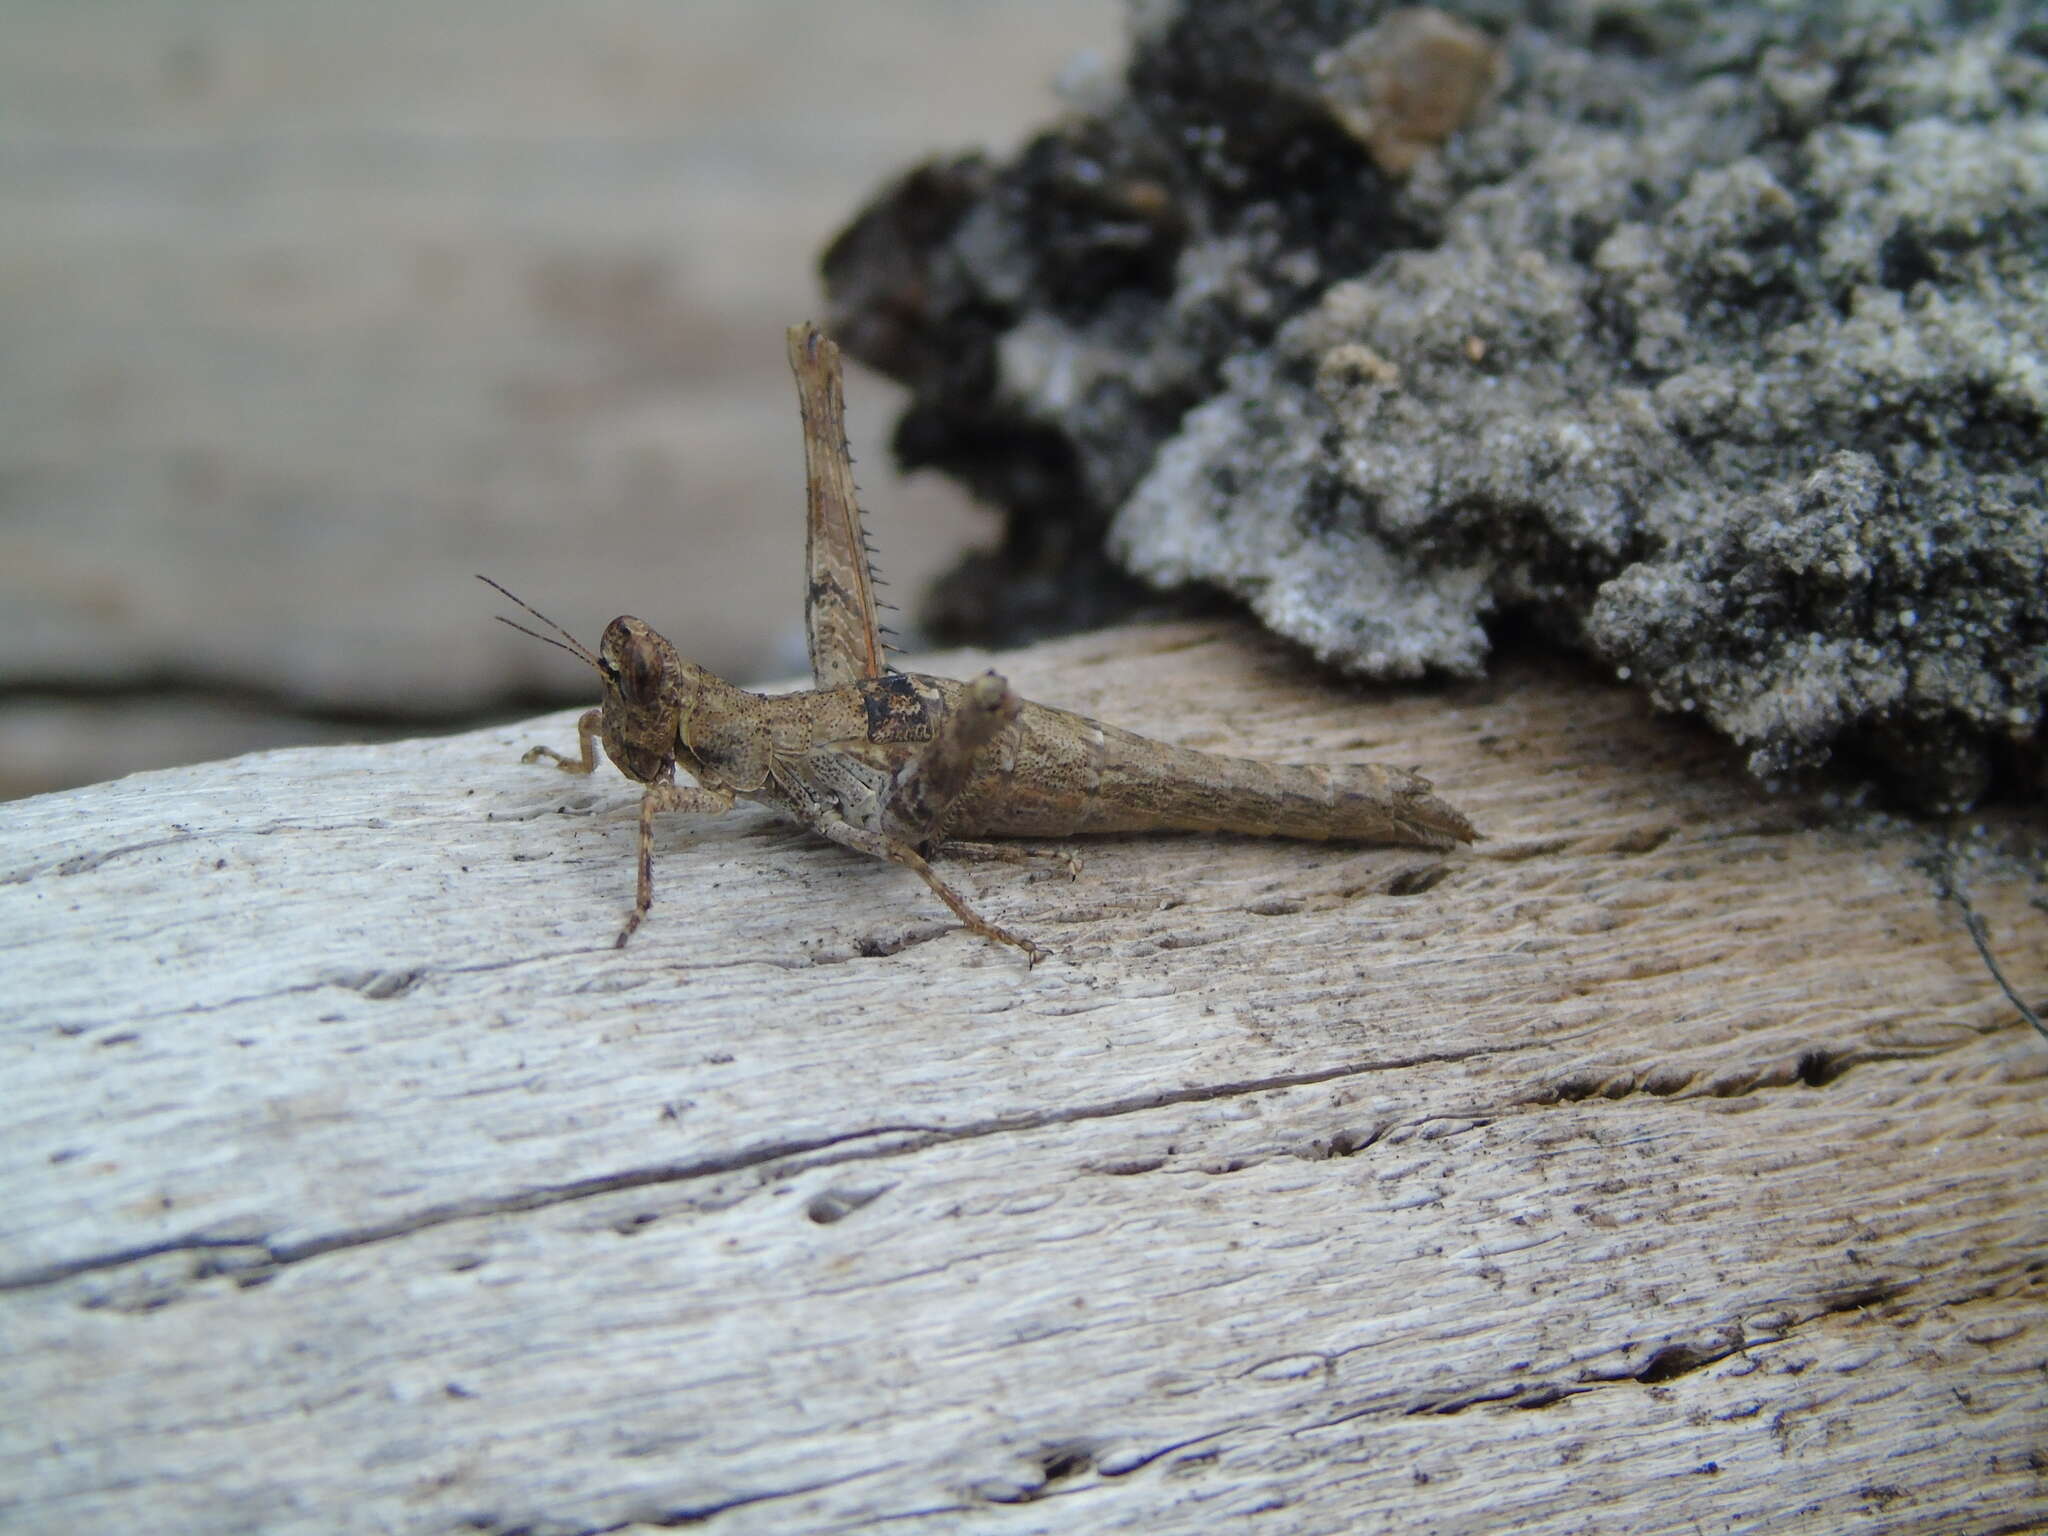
x: 1062, y: 774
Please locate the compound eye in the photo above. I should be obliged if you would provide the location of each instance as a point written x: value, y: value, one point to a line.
x: 639, y: 673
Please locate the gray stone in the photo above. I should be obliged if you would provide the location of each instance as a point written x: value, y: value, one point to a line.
x: 1717, y: 350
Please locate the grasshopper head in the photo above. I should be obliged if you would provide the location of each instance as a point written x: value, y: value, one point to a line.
x: 648, y: 689
x: 645, y: 683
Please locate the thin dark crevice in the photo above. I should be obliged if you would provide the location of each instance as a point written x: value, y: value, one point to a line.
x: 1872, y: 1293
x: 1545, y: 1396
x: 279, y: 1255
x: 1143, y: 1102
x: 668, y: 1519
x: 1667, y: 1363
x: 1672, y: 1361
x: 1815, y: 1067
x: 881, y: 946
x: 1676, y: 1360
x: 788, y: 1157
x: 63, y: 1269
x: 1445, y: 1407
x: 92, y: 859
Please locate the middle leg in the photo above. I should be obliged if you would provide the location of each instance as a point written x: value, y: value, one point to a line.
x: 880, y: 845
x: 921, y: 792
x: 1067, y: 861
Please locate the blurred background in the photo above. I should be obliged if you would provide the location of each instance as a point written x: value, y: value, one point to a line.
x: 308, y: 311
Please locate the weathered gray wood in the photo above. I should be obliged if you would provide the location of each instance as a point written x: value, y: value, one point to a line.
x: 1666, y: 1163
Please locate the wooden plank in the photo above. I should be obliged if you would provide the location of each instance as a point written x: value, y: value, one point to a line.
x: 1668, y: 1162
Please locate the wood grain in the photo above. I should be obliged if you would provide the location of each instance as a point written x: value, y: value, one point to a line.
x: 1668, y: 1162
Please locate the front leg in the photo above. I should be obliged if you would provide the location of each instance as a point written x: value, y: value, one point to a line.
x: 880, y: 845
x: 662, y: 795
x: 588, y: 728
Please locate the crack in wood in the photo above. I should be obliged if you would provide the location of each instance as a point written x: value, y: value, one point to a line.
x: 1678, y: 1358
x: 787, y: 1157
x: 668, y: 1519
x: 82, y: 863
x: 871, y: 1143
x: 1814, y: 1067
x: 86, y: 862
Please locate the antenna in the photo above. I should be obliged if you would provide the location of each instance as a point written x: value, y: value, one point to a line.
x: 568, y: 642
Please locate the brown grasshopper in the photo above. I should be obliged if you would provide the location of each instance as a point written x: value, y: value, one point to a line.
x: 910, y: 768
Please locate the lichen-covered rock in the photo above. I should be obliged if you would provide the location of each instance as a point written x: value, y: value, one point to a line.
x: 1830, y: 613
x: 1715, y: 347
